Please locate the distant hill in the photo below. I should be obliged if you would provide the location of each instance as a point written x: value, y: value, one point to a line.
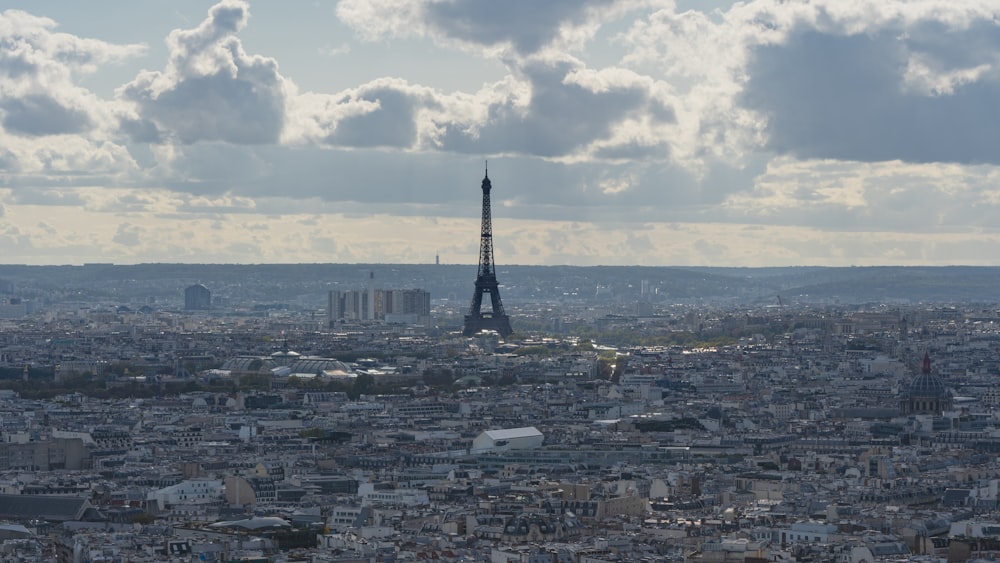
x: 306, y: 285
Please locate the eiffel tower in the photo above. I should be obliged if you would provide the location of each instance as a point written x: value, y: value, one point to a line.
x: 486, y: 281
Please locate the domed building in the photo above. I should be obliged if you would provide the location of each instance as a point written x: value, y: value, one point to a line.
x: 926, y: 394
x: 286, y: 362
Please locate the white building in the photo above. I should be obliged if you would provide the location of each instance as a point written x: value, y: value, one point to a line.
x: 808, y: 532
x: 527, y: 438
x: 372, y: 494
x: 192, y: 491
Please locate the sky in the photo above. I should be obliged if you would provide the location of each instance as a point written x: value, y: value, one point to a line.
x: 617, y: 132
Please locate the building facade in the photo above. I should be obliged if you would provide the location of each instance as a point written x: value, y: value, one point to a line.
x: 411, y: 306
x: 197, y: 298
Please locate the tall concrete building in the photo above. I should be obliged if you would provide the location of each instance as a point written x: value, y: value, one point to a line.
x: 409, y: 306
x: 197, y: 298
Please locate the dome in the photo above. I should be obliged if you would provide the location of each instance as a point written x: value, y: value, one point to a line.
x: 309, y: 364
x: 926, y: 394
x: 286, y: 354
x: 285, y: 357
x: 248, y: 364
x: 928, y: 386
x: 255, y: 523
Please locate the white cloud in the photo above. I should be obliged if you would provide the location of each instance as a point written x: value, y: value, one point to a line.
x: 48, y: 124
x: 898, y: 197
x: 343, y: 49
x: 211, y: 89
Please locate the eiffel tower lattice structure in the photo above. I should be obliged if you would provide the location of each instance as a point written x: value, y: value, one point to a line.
x: 487, y: 288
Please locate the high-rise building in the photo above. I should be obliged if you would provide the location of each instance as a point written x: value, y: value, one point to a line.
x: 197, y: 298
x: 411, y: 306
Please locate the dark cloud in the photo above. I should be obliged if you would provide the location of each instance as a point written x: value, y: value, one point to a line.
x: 633, y: 150
x: 140, y: 131
x: 846, y: 97
x: 391, y: 124
x: 528, y: 25
x: 215, y: 168
x: 38, y: 114
x: 216, y: 107
x: 561, y: 117
x: 15, y: 64
x: 949, y: 48
x: 447, y: 184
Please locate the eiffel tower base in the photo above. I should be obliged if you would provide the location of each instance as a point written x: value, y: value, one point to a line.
x: 500, y: 323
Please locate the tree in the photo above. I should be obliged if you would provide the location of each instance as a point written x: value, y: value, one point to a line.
x: 438, y: 377
x: 364, y: 384
x: 257, y: 381
x: 142, y: 518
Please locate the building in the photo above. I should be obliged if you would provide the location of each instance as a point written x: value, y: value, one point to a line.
x: 197, y: 298
x: 385, y: 494
x: 926, y: 394
x: 192, y: 491
x: 34, y: 508
x: 44, y: 455
x: 243, y: 491
x: 527, y: 438
x: 411, y: 306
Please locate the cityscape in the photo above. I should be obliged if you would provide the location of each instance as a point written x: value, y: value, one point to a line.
x: 630, y: 419
x: 587, y: 281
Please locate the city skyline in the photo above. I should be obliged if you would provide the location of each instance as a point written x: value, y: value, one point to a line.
x: 645, y: 132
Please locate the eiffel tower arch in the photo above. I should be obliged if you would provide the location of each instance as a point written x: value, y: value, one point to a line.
x: 487, y: 289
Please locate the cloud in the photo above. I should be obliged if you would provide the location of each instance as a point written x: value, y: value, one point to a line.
x: 38, y: 114
x: 63, y: 160
x: 894, y: 196
x: 829, y: 79
x: 849, y: 100
x: 38, y: 68
x: 49, y: 125
x: 383, y: 113
x: 127, y: 235
x: 560, y: 108
x: 211, y: 89
x: 525, y: 26
x: 600, y: 118
x: 47, y: 197
x: 343, y: 49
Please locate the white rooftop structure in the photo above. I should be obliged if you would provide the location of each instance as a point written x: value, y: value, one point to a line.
x: 526, y: 438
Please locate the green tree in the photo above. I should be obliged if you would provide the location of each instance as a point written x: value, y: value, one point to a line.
x: 255, y: 381
x: 438, y: 377
x: 364, y: 384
